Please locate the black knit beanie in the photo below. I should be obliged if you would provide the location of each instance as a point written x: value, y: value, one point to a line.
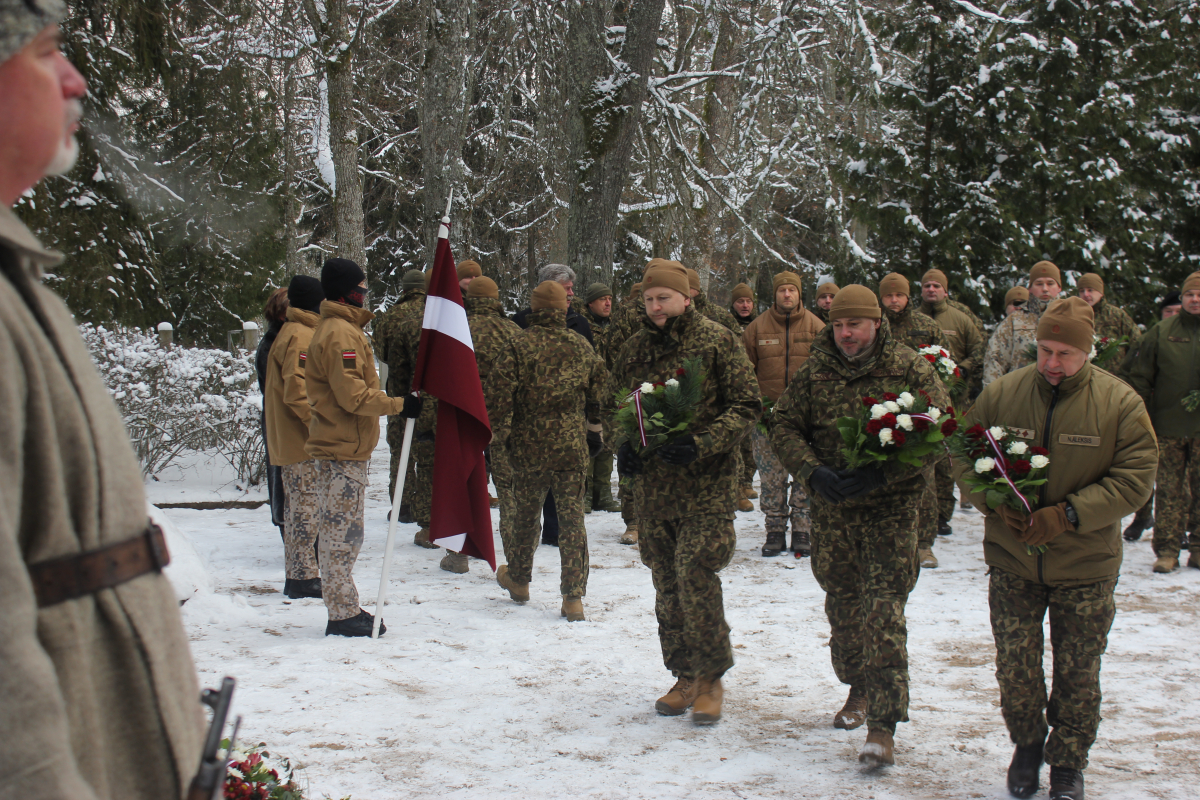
x: 305, y: 292
x: 340, y: 278
x: 1172, y: 299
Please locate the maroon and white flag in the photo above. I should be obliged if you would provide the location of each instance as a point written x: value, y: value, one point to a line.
x: 461, y: 517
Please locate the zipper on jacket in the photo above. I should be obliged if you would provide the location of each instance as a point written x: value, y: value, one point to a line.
x: 787, y: 348
x: 1042, y: 490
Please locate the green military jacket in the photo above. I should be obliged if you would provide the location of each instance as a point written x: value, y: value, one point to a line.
x: 715, y: 312
x: 1112, y: 321
x: 547, y: 381
x: 963, y: 338
x: 964, y: 308
x: 1103, y: 460
x: 1165, y: 369
x: 730, y: 403
x: 804, y: 429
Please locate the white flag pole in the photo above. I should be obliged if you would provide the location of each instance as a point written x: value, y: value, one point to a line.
x: 402, y: 471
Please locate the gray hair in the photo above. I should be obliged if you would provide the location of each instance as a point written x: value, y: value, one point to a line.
x: 556, y: 272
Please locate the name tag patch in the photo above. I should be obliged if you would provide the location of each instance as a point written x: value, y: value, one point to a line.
x: 1072, y: 438
x: 349, y: 359
x: 765, y: 342
x: 1179, y: 339
x: 949, y: 332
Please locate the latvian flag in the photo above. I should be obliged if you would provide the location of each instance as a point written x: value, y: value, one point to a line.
x: 461, y: 517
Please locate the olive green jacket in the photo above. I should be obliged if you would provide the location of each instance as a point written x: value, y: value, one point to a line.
x: 1103, y: 459
x: 1165, y: 368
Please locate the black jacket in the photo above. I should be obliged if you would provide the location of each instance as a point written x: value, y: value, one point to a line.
x: 575, y: 321
x: 264, y: 350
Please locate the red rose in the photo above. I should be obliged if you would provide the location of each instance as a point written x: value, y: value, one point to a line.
x: 949, y: 426
x: 920, y: 424
x: 888, y: 420
x: 870, y: 401
x: 680, y: 372
x: 898, y: 438
x: 957, y: 374
x: 950, y: 411
x: 976, y: 431
x: 925, y: 395
x: 930, y: 357
x: 658, y: 384
x: 1038, y: 451
x: 874, y: 427
x: 1020, y: 467
x: 889, y: 396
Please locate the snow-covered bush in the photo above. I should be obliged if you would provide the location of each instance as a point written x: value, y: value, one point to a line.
x: 181, y: 400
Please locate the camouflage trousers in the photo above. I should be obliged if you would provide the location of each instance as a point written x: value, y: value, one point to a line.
x: 1080, y: 618
x: 303, y: 508
x: 530, y: 489
x: 1178, y: 488
x: 341, y: 486
x: 502, y: 476
x: 749, y: 463
x: 943, y: 475
x: 774, y: 501
x: 625, y: 495
x: 684, y: 557
x: 418, y: 481
x: 864, y: 557
x: 927, y: 520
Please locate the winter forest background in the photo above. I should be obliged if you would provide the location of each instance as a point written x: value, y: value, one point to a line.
x: 231, y: 144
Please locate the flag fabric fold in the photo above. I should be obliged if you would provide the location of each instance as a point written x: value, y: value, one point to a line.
x: 461, y: 517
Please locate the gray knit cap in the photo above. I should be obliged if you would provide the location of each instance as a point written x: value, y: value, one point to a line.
x: 21, y: 20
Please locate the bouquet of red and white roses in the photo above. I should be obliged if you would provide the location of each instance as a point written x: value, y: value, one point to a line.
x: 1005, y: 473
x: 895, y: 427
x: 939, y: 358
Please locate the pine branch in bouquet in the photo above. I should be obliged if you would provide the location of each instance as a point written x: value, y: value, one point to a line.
x: 656, y: 413
x: 764, y: 421
x: 1191, y: 401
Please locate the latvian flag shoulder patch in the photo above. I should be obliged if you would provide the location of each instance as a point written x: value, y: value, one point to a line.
x: 349, y: 359
x: 303, y: 360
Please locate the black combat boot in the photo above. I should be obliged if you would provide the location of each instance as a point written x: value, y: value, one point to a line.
x: 358, y: 625
x: 1137, y: 528
x: 1024, y: 769
x: 295, y: 589
x: 776, y: 543
x: 944, y: 528
x: 405, y: 516
x: 1066, y: 783
x: 800, y: 545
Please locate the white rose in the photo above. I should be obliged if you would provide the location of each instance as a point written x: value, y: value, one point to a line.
x: 985, y: 465
x: 647, y: 388
x: 905, y: 422
x: 877, y: 411
x: 997, y: 432
x: 930, y: 350
x: 1018, y: 448
x: 947, y: 364
x: 885, y: 436
x: 934, y: 413
x: 907, y: 400
x: 1039, y: 462
x: 892, y: 406
x: 672, y: 382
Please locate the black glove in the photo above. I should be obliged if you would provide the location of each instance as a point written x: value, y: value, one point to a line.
x: 681, y: 451
x: 861, y: 481
x: 412, y: 406
x: 595, y: 443
x: 827, y: 483
x: 628, y: 462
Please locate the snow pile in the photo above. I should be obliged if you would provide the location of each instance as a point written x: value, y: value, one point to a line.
x: 187, y: 573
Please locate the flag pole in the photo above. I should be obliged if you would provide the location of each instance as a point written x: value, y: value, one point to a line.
x: 401, y: 473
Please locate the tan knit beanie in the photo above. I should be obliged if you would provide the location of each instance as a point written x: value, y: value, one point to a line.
x: 548, y: 294
x: 894, y: 282
x: 1017, y: 294
x: 1045, y: 269
x: 1191, y: 283
x: 693, y: 279
x: 937, y: 276
x: 635, y: 291
x: 670, y: 274
x: 1091, y: 281
x: 740, y: 291
x: 789, y: 278
x: 1069, y: 321
x: 855, y: 301
x: 484, y: 287
x: 469, y: 269
x: 828, y: 287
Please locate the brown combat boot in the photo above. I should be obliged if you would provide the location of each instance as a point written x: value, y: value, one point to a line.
x: 455, y: 562
x: 678, y: 700
x: 749, y: 492
x: 927, y: 558
x: 1166, y: 564
x: 572, y: 608
x: 630, y: 536
x: 494, y: 502
x: 517, y: 591
x: 706, y: 709
x: 877, y: 751
x: 854, y: 713
x: 422, y: 539
x: 743, y: 501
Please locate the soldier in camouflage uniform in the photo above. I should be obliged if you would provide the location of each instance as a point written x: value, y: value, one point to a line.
x: 916, y: 330
x: 546, y: 380
x: 598, y: 310
x: 627, y: 320
x: 685, y: 492
x: 743, y: 308
x: 1111, y: 321
x: 708, y: 309
x: 864, y: 520
x: 825, y: 294
x: 1016, y: 336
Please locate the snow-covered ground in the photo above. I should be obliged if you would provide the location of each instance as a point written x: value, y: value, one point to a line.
x: 471, y: 695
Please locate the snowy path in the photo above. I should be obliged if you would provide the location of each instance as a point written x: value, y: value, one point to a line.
x: 471, y: 695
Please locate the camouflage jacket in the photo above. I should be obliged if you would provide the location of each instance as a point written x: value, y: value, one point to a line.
x: 600, y: 326
x: 491, y: 333
x: 729, y: 405
x: 1112, y: 321
x: 821, y: 313
x: 382, y: 332
x: 547, y: 381
x: 397, y: 346
x: 914, y: 329
x: 804, y: 426
x: 626, y: 321
x: 742, y: 321
x: 715, y: 312
x: 1008, y: 350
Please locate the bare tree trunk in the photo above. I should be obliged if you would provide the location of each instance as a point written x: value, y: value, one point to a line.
x: 606, y: 105
x: 443, y: 112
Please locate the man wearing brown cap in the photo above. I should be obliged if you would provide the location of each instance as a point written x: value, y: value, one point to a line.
x: 1016, y: 335
x: 864, y: 543
x: 1164, y: 372
x: 598, y: 310
x: 468, y: 271
x: 1064, y: 557
x: 97, y: 679
x: 744, y: 311
x: 685, y: 490
x: 547, y: 382
x: 705, y: 308
x: 916, y: 330
x: 626, y: 322
x: 741, y: 305
x: 1111, y: 321
x: 824, y: 299
x: 1015, y: 299
x: 778, y: 343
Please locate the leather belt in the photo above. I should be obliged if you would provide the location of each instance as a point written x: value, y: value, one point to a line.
x: 70, y: 577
